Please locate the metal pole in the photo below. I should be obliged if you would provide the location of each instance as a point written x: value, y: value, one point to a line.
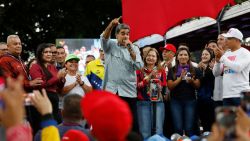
x: 165, y: 39
x: 219, y: 19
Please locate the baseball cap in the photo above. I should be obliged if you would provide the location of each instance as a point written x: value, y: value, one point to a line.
x: 233, y: 32
x: 72, y: 57
x: 74, y: 135
x: 109, y: 116
x: 169, y: 47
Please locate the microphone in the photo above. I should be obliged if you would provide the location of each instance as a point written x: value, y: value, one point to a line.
x: 129, y: 47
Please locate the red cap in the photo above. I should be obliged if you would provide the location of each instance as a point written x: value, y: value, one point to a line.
x: 74, y: 135
x: 169, y: 47
x: 109, y: 115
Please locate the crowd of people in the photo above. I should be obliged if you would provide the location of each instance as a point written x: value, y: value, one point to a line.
x: 126, y: 94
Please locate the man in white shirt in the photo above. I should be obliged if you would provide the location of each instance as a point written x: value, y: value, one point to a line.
x: 236, y: 67
x: 218, y: 74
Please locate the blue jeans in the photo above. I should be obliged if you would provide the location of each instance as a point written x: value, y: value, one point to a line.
x: 145, y: 117
x: 231, y: 101
x: 183, y: 116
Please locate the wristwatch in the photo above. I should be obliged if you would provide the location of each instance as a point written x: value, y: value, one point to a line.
x: 82, y: 83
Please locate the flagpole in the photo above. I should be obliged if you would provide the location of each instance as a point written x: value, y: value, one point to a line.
x: 165, y: 39
x: 219, y: 18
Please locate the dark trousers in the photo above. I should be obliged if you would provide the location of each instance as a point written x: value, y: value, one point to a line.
x: 54, y: 99
x: 34, y: 118
x: 132, y: 105
x: 168, y: 126
x: 218, y: 103
x: 183, y: 116
x: 206, y: 113
x: 231, y: 101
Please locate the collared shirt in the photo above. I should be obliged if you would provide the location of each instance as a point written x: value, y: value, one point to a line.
x: 50, y: 84
x: 13, y: 66
x: 120, y: 76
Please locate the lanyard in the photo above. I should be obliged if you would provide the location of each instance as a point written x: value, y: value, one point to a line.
x: 20, y: 61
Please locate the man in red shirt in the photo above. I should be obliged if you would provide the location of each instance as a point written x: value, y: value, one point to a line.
x: 12, y: 64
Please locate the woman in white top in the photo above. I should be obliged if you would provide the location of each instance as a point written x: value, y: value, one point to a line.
x: 75, y: 82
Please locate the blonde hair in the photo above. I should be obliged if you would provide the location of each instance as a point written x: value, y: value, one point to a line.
x: 158, y: 62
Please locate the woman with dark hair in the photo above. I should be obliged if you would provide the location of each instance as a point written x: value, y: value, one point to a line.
x: 150, y: 82
x: 52, y: 80
x: 205, y: 103
x: 183, y: 80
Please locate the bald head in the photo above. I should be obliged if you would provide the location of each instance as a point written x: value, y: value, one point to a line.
x: 14, y: 45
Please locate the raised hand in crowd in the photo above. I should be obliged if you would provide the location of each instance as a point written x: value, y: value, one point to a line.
x: 115, y: 21
x: 218, y: 52
x: 217, y: 134
x: 242, y: 128
x: 41, y: 102
x: 12, y: 113
x: 242, y: 135
x: 107, y: 31
x: 243, y: 120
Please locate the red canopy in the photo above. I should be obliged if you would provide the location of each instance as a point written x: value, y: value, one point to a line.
x: 147, y: 17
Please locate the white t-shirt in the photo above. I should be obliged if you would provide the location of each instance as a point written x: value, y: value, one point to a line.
x: 236, y: 72
x: 77, y: 89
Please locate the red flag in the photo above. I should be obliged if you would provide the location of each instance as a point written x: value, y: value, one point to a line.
x: 147, y: 17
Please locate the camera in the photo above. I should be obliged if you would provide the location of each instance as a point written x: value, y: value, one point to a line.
x: 225, y: 118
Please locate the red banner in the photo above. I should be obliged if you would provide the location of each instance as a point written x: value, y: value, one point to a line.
x: 147, y: 17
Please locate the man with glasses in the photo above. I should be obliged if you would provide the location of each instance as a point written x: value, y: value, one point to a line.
x: 3, y: 48
x: 54, y: 53
x: 236, y: 67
